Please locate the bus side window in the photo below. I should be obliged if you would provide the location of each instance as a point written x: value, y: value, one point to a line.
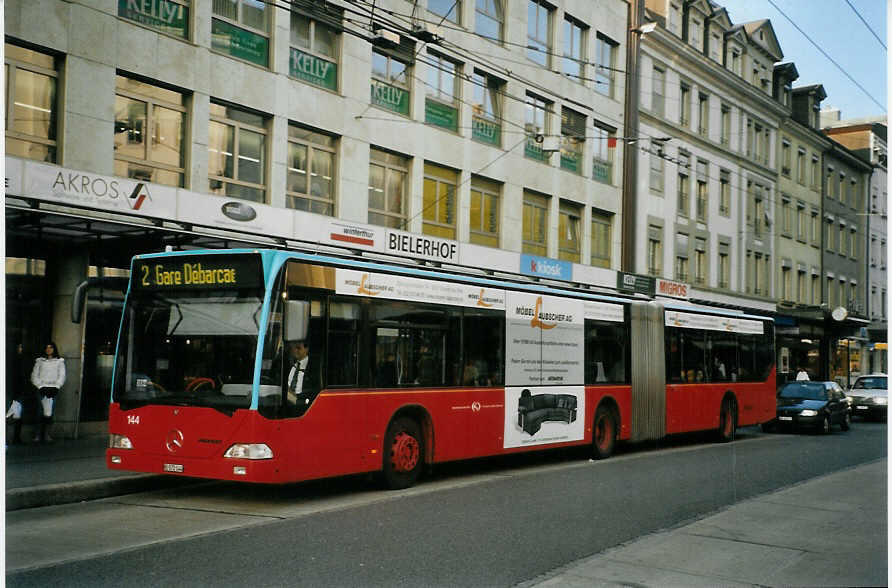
x: 605, y: 352
x: 483, y: 334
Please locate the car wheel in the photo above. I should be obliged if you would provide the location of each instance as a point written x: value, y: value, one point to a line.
x: 846, y: 422
x: 403, y: 454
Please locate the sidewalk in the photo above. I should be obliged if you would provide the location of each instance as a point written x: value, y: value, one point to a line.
x: 828, y: 531
x: 68, y: 470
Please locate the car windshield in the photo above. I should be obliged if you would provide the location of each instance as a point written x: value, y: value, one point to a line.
x: 870, y: 383
x: 193, y: 348
x: 804, y: 391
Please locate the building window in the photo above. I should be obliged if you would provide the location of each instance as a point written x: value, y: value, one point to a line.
x: 701, y: 271
x: 170, y: 17
x: 486, y: 109
x: 702, y: 190
x: 787, y: 217
x: 703, y: 114
x: 736, y: 62
x: 786, y: 283
x: 237, y: 153
x: 311, y: 169
x: 800, y: 166
x: 535, y: 223
x: 828, y: 235
x: 760, y: 275
x: 801, y: 222
x: 815, y: 231
x: 815, y: 289
x: 448, y: 9
x: 658, y: 95
x: 441, y: 104
x: 605, y: 58
x: 539, y: 32
x: 32, y: 111
x: 843, y: 241
x: 815, y: 173
x: 684, y: 186
x: 601, y: 223
x: 314, y: 51
x: 490, y: 22
x: 685, y: 115
x: 656, y: 170
x: 574, y: 48
x: 724, y: 266
x: 853, y: 247
x: 485, y: 212
x: 240, y: 29
x: 786, y: 158
x: 572, y: 140
x: 569, y: 221
x: 388, y: 183
x: 439, y: 203
x: 149, y: 129
x: 681, y: 257
x: 390, y: 88
x: 536, y: 127
x: 603, y: 147
x: 655, y: 251
x: 725, y: 195
x: 802, y: 287
x: 726, y: 124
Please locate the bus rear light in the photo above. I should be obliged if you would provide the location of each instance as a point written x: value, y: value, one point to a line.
x: 116, y: 459
x: 249, y: 451
x: 119, y: 442
x: 239, y: 471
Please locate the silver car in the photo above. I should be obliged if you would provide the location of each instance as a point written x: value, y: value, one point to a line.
x: 869, y: 396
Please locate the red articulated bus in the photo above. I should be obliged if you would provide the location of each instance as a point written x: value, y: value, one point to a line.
x: 272, y: 366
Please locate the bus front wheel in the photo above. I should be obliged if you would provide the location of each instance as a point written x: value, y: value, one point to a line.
x: 403, y: 453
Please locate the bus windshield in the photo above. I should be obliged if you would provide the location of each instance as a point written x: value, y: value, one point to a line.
x: 188, y: 348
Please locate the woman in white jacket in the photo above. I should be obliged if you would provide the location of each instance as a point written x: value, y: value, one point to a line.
x: 48, y: 376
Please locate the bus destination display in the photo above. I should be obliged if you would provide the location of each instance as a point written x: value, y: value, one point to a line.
x: 189, y: 272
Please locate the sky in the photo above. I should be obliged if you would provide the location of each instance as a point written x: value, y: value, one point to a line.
x: 836, y: 28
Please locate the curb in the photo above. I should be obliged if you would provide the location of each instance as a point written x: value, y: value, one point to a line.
x: 68, y: 492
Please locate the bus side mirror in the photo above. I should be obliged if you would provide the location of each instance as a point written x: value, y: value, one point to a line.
x: 297, y: 316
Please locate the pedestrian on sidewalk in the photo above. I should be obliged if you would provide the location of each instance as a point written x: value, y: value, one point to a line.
x: 48, y: 376
x: 16, y: 390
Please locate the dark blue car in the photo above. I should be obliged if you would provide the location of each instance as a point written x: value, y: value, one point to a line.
x: 812, y: 405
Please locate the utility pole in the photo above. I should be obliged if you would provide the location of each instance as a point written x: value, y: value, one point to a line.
x: 630, y: 134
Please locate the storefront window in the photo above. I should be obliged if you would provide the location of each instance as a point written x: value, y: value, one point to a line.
x: 311, y: 168
x: 150, y: 123
x: 31, y: 120
x: 237, y: 153
x: 314, y: 52
x: 170, y: 17
x: 240, y: 29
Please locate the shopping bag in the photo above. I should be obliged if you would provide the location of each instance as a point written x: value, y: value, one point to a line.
x: 15, y: 410
x: 47, y: 404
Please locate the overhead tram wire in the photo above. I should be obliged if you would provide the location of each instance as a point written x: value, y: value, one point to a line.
x: 825, y: 54
x: 869, y: 28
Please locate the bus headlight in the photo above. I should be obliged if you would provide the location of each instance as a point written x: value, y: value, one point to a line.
x: 249, y: 451
x: 119, y: 442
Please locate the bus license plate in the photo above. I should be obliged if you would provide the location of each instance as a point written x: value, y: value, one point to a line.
x: 176, y: 468
x: 786, y: 418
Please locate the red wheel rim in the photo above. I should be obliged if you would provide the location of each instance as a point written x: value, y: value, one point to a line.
x: 604, y: 432
x: 404, y: 452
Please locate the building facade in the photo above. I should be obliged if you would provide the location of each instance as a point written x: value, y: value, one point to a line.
x: 867, y: 139
x: 474, y: 134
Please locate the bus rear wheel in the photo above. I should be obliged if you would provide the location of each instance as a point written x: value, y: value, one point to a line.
x: 727, y: 421
x: 603, y: 433
x: 403, y: 453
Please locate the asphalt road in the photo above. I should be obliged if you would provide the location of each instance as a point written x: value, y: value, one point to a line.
x: 491, y: 523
